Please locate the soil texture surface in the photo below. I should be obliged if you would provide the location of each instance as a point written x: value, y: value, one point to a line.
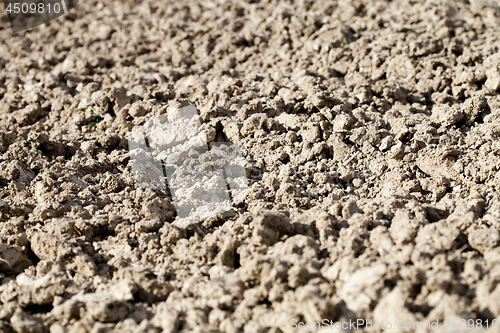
x: 370, y: 133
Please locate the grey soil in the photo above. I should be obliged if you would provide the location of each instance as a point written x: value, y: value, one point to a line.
x: 371, y: 135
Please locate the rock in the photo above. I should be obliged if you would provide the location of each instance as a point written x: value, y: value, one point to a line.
x: 166, y: 318
x: 118, y: 96
x: 291, y: 137
x: 483, y: 239
x: 100, y: 98
x: 397, y: 151
x: 297, y: 276
x: 23, y: 322
x: 149, y: 290
x: 138, y: 109
x: 123, y: 290
x: 254, y: 123
x: 403, y: 229
x: 392, y: 308
x: 346, y: 174
x: 361, y: 287
x: 29, y: 115
x: 311, y: 133
x: 231, y: 130
x: 341, y: 150
x: 445, y: 115
x: 13, y: 259
x: 350, y: 209
x: 101, y: 31
x: 473, y: 106
x: 342, y: 122
x: 386, y: 143
x: 44, y: 289
x: 47, y: 246
x: 436, y: 237
x: 304, y: 246
x: 104, y: 308
x: 493, y: 79
x: 267, y: 225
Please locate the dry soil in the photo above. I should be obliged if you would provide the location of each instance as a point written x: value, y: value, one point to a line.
x: 370, y: 131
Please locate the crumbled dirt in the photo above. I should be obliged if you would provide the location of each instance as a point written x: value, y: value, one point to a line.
x: 371, y: 132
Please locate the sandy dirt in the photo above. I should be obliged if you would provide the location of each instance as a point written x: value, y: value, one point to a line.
x: 370, y: 132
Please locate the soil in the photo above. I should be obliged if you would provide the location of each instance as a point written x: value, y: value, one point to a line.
x: 370, y: 132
